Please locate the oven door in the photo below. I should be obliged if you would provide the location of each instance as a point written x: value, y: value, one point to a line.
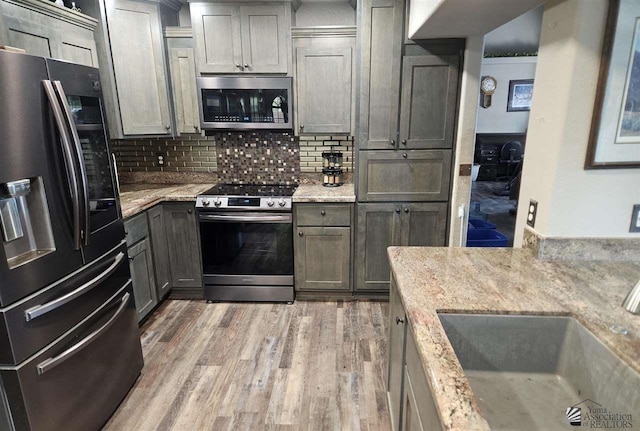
x: 247, y: 248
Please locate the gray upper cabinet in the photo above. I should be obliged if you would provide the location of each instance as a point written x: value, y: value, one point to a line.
x: 218, y: 40
x: 247, y: 38
x: 184, y: 245
x: 429, y: 99
x: 160, y: 251
x: 412, y: 175
x: 381, y: 52
x: 44, y: 29
x: 137, y: 51
x: 324, y: 77
x: 323, y: 258
x: 379, y: 227
x: 183, y: 83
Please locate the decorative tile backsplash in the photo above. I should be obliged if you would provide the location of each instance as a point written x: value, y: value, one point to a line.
x: 258, y: 158
x: 281, y: 159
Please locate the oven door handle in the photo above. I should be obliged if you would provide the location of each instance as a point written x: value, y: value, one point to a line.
x: 235, y: 219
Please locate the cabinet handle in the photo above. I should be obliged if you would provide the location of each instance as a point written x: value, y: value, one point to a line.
x: 397, y: 210
x: 404, y: 142
x: 246, y: 65
x: 404, y: 155
x: 167, y: 127
x: 399, y: 320
x: 300, y: 233
x: 406, y: 210
x: 238, y: 65
x: 301, y: 126
x: 392, y: 142
x: 195, y: 126
x: 322, y: 212
x: 190, y: 211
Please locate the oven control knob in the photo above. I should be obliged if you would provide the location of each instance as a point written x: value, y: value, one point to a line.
x: 281, y: 202
x: 205, y: 202
x: 218, y: 202
x: 270, y: 202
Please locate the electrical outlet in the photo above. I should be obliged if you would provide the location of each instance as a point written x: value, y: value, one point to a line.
x: 635, y: 219
x: 160, y: 158
x: 532, y: 212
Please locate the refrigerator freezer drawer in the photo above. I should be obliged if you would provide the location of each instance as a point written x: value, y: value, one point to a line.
x: 31, y: 324
x: 78, y: 382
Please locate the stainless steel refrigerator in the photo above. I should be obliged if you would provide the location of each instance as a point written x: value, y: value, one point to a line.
x: 69, y: 341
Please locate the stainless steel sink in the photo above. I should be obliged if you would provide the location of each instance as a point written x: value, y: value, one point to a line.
x: 526, y: 371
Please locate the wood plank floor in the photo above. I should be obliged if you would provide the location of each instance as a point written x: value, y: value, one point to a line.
x: 306, y: 366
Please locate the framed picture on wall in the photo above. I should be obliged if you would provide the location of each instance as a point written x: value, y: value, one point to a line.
x: 520, y: 93
x: 614, y: 141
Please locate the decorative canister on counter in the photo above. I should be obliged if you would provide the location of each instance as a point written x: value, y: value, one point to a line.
x: 332, y: 168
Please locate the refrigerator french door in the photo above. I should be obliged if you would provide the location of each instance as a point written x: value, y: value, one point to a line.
x: 58, y: 199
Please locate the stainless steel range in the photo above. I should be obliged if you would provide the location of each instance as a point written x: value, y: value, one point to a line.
x: 246, y: 237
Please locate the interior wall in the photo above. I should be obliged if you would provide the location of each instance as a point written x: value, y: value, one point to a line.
x: 465, y: 141
x: 496, y: 118
x: 572, y: 201
x: 316, y: 13
x: 521, y: 34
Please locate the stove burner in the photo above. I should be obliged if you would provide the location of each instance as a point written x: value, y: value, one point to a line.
x: 268, y: 190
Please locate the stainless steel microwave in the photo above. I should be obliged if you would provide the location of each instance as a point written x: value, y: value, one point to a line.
x: 227, y: 102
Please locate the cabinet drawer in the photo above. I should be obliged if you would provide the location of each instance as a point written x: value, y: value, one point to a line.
x: 411, y: 176
x: 136, y: 228
x: 323, y: 215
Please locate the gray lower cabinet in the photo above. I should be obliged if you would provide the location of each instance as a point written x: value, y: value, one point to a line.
x: 380, y: 35
x: 44, y: 29
x: 160, y: 247
x: 409, y: 397
x: 429, y: 100
x: 142, y: 277
x: 141, y: 264
x: 184, y: 249
x: 322, y: 247
x: 412, y: 175
x: 325, y: 81
x: 393, y: 224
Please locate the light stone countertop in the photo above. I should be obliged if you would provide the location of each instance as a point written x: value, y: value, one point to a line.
x: 504, y: 281
x: 135, y: 198
x: 320, y: 193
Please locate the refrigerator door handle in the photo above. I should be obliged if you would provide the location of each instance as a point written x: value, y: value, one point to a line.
x: 40, y: 310
x: 80, y: 159
x: 51, y: 363
x: 72, y: 176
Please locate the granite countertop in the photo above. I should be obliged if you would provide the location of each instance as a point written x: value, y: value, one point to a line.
x: 320, y: 193
x: 504, y: 281
x: 135, y: 198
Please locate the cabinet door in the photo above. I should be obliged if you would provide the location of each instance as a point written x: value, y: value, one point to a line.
x: 265, y: 37
x: 378, y: 228
x: 138, y: 64
x: 381, y: 48
x: 322, y: 258
x: 411, y: 419
x: 28, y: 30
x: 421, y: 175
x: 424, y: 224
x: 4, y: 33
x: 160, y: 250
x: 185, y: 96
x: 218, y: 43
x: 323, y: 77
x: 397, y: 334
x: 142, y: 277
x: 184, y: 245
x: 429, y: 99
x: 79, y: 49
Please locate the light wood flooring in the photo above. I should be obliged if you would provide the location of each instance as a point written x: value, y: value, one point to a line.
x: 306, y: 366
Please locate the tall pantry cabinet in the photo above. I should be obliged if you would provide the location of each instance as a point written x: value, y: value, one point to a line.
x: 408, y: 97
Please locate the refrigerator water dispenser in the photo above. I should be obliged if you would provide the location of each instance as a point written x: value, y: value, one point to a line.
x: 25, y: 221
